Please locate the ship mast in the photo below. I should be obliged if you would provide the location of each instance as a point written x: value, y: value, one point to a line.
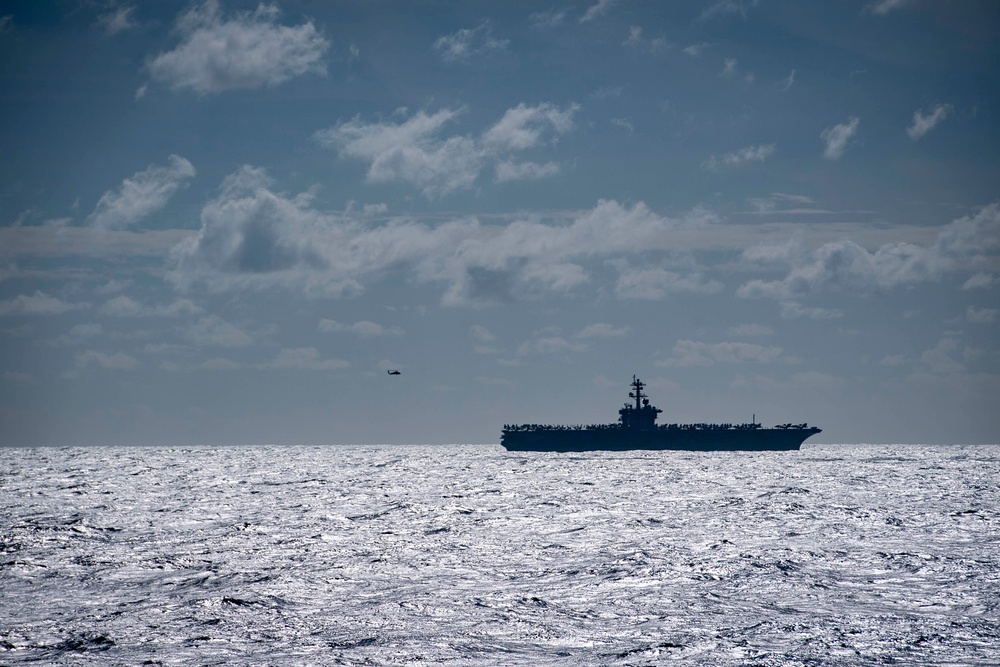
x: 636, y: 393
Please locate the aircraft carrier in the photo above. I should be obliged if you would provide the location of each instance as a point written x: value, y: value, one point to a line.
x: 637, y: 429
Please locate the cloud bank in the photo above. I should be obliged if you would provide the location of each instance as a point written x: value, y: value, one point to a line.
x: 254, y: 238
x: 844, y: 265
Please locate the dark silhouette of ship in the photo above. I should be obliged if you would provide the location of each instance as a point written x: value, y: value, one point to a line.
x: 637, y: 429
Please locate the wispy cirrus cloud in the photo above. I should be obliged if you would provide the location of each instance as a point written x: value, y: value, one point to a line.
x: 636, y: 41
x: 751, y: 330
x: 144, y: 193
x: 883, y: 7
x: 364, y: 328
x: 982, y: 315
x: 246, y: 50
x: 922, y: 124
x: 602, y: 330
x: 787, y: 82
x: 728, y: 8
x: 118, y: 20
x: 469, y: 42
x: 980, y: 280
x: 731, y: 71
x: 303, y: 359
x: 837, y: 136
x: 739, y: 158
x: 549, y: 345
x: 547, y: 20
x: 115, y: 361
x: 597, y: 10
x: 509, y: 170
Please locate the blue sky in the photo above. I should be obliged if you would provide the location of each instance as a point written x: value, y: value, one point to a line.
x: 222, y: 222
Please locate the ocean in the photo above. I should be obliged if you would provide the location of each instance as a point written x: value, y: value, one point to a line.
x: 470, y: 555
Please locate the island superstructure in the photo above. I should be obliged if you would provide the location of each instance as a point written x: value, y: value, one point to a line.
x: 637, y: 429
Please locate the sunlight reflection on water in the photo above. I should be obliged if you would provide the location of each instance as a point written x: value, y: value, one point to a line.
x: 466, y: 555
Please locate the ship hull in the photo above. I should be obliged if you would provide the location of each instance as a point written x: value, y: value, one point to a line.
x: 617, y: 439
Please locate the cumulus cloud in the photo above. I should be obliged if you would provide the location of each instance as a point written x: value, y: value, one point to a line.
x: 469, y: 42
x: 837, y: 136
x: 410, y: 151
x: 249, y: 232
x: 363, y: 328
x: 845, y: 265
x: 252, y: 237
x: 119, y: 20
x: 144, y: 193
x: 923, y: 124
x: 38, y: 303
x: 524, y: 126
x: 246, y: 50
x: 740, y: 158
x: 414, y: 152
x: 942, y: 358
x: 697, y: 353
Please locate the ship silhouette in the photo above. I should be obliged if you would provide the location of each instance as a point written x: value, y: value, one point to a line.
x: 637, y: 429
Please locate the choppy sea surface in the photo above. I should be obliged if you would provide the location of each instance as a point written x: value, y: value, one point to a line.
x: 470, y: 555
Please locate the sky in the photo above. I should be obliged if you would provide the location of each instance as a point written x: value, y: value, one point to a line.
x: 222, y: 222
